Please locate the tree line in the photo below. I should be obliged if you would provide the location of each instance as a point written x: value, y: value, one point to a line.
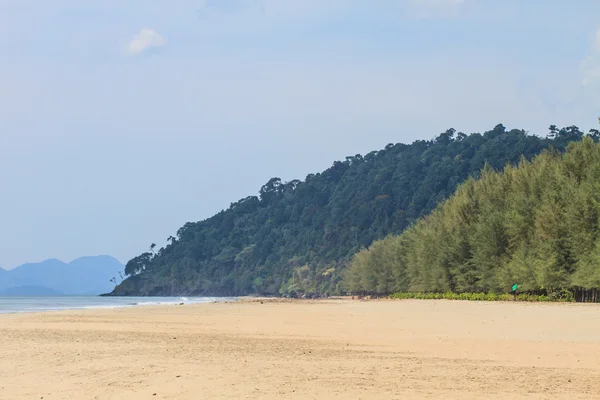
x: 535, y: 224
x: 298, y: 237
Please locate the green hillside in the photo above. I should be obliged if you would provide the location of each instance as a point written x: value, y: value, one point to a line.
x: 536, y: 225
x: 298, y: 236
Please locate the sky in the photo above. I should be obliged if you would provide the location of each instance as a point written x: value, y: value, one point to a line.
x: 122, y: 120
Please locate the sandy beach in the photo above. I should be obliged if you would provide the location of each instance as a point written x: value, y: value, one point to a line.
x: 334, y: 349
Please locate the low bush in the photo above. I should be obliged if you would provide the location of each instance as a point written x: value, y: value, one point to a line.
x: 563, y: 296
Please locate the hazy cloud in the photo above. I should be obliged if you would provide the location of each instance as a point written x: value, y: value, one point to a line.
x: 230, y: 6
x: 590, y: 66
x: 437, y: 3
x: 146, y: 38
x: 431, y: 8
x: 307, y: 9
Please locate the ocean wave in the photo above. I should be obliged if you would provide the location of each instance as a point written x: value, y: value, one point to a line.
x: 40, y: 304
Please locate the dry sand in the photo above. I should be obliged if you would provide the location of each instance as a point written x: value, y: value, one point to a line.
x: 337, y: 349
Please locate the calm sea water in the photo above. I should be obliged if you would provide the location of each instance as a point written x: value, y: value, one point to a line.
x: 16, y: 304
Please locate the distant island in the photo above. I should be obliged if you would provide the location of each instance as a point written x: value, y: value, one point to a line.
x: 84, y: 276
x: 299, y: 237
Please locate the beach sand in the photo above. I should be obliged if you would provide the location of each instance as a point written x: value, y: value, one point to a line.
x: 333, y: 349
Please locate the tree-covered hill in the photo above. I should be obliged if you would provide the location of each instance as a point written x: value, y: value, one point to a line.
x: 298, y: 236
x: 536, y: 224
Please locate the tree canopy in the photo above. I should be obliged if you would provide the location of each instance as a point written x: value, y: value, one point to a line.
x: 535, y: 225
x: 299, y: 236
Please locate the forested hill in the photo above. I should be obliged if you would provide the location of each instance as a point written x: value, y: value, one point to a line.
x: 536, y: 225
x: 298, y: 236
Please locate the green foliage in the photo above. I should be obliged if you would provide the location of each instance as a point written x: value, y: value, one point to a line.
x: 535, y: 224
x: 490, y: 296
x: 285, y: 240
x: 138, y: 264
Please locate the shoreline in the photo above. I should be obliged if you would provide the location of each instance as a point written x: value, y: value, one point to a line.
x: 40, y: 304
x: 275, y: 300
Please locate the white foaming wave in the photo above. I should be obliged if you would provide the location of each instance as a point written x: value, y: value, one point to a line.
x: 44, y: 307
x: 105, y: 306
x: 154, y: 303
x: 180, y: 300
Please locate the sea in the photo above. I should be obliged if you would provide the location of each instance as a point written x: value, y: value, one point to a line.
x: 16, y: 304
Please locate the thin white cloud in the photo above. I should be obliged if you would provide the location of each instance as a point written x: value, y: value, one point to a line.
x: 231, y: 6
x: 277, y: 10
x: 145, y: 39
x: 437, y: 3
x: 430, y: 8
x: 590, y: 66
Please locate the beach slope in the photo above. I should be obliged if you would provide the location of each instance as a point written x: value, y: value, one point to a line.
x: 334, y: 349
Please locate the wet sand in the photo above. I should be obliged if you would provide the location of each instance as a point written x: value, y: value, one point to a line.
x: 334, y: 349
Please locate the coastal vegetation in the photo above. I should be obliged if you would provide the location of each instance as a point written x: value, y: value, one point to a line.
x: 562, y: 297
x: 298, y: 237
x: 535, y: 224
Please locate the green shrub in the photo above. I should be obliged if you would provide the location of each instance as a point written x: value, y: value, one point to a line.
x: 561, y: 296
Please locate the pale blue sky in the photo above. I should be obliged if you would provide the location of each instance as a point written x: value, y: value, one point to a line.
x: 122, y: 120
